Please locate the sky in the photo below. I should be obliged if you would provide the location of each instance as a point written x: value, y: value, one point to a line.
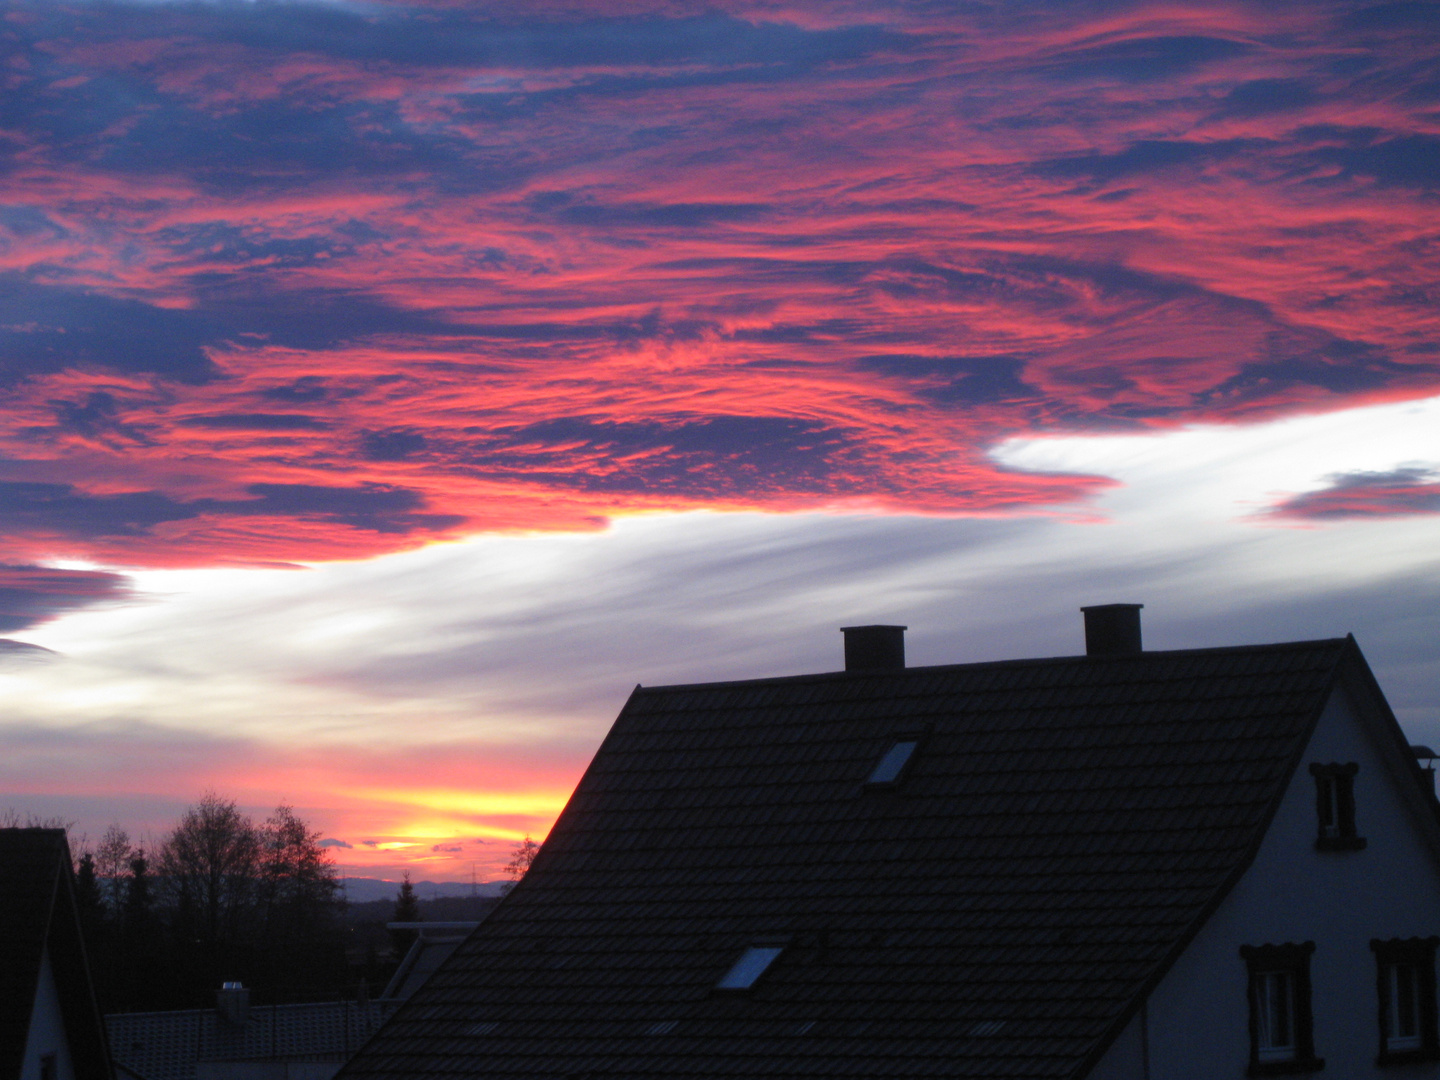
x: 387, y: 388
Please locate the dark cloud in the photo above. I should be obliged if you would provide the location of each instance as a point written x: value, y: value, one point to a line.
x: 432, y: 37
x: 395, y: 444
x: 257, y: 422
x: 1404, y: 15
x: 1338, y: 367
x: 1408, y: 161
x: 1143, y: 59
x: 278, y: 144
x: 957, y: 380
x: 1143, y: 157
x: 374, y: 507
x: 61, y: 509
x: 332, y: 842
x: 98, y: 418
x: 674, y: 215
x: 303, y: 391
x: 28, y: 223
x: 33, y: 594
x: 48, y: 328
x: 1259, y: 97
x: 1403, y: 491
x: 129, y: 121
x: 216, y: 243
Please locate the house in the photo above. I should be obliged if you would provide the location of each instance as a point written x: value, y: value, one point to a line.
x: 50, y: 1027
x: 1184, y: 865
x: 238, y: 1041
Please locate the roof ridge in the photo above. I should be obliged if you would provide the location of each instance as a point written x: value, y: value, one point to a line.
x: 1036, y: 661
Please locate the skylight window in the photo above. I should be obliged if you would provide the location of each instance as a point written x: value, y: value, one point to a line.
x: 753, y: 963
x: 892, y: 765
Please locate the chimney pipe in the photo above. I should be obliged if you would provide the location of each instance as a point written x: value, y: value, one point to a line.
x: 874, y: 648
x: 232, y: 1002
x: 1112, y: 629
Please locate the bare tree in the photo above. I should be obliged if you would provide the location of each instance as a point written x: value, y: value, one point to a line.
x: 209, y: 864
x: 520, y: 860
x: 112, y: 865
x: 10, y: 818
x: 298, y: 882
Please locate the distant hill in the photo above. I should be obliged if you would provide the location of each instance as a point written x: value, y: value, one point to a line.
x: 441, y: 909
x: 359, y: 890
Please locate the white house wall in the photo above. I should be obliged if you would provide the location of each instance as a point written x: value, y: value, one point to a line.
x: 47, y: 1029
x: 1198, y: 1017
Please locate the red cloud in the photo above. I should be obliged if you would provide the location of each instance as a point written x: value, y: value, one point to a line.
x: 334, y: 287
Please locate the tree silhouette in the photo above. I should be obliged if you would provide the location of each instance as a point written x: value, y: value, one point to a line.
x: 407, y: 909
x: 520, y: 860
x: 209, y: 864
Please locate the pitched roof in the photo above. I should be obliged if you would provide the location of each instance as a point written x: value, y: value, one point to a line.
x: 38, y: 915
x: 168, y: 1045
x: 1064, y: 827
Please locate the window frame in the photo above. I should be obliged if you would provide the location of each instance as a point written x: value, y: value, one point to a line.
x: 1335, y: 801
x: 1293, y: 961
x: 1418, y: 953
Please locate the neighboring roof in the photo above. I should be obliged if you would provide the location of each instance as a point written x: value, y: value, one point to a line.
x: 1063, y: 830
x: 38, y: 914
x: 433, y: 944
x: 168, y: 1045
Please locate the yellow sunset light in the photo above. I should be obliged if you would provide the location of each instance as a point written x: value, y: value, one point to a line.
x: 471, y: 804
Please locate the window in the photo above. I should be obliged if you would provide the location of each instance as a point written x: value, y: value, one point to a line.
x: 1275, y: 1015
x: 1281, y: 1027
x: 1402, y: 1007
x: 890, y: 767
x: 746, y: 971
x: 1335, y: 807
x: 1405, y: 981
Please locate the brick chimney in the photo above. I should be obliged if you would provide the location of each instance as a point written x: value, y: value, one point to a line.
x: 874, y: 648
x: 1112, y: 629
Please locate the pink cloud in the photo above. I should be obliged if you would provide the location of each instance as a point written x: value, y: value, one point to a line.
x: 341, y: 287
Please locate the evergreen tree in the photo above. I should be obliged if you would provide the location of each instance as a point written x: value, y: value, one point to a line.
x: 89, y: 902
x: 407, y: 909
x: 145, y: 981
x: 139, y: 902
x: 94, y: 927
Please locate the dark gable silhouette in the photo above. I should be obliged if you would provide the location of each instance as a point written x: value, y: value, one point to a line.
x: 40, y: 920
